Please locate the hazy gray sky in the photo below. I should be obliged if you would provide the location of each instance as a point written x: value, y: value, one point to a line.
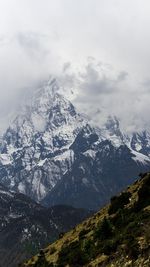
x: 103, y: 46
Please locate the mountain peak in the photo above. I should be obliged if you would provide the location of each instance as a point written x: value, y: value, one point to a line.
x: 112, y: 123
x: 36, y: 145
x: 49, y: 137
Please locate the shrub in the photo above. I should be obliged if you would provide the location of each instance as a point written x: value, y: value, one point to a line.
x: 119, y: 202
x: 143, y: 196
x: 73, y: 255
x: 61, y: 234
x: 109, y: 246
x: 83, y: 233
x: 89, y: 248
x: 132, y: 247
x: 120, y: 218
x: 104, y: 230
x: 42, y: 262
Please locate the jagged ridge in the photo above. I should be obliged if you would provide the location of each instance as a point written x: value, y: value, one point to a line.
x: 53, y: 155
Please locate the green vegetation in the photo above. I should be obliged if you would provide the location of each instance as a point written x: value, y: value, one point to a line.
x: 72, y: 254
x: 83, y: 233
x: 118, y: 202
x: 118, y: 234
x: 103, y: 230
x: 143, y: 192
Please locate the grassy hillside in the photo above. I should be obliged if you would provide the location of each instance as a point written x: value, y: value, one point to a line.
x: 117, y: 236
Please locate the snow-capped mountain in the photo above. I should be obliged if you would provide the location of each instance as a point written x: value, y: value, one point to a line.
x: 35, y: 148
x: 42, y: 151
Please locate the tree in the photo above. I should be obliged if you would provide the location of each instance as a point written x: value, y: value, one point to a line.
x: 104, y: 230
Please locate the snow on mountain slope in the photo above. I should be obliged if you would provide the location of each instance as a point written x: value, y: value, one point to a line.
x: 48, y: 135
x: 140, y: 142
x: 99, y: 171
x: 139, y: 157
x: 111, y: 131
x: 34, y: 150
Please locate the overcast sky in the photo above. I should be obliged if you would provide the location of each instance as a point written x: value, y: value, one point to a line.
x: 99, y: 48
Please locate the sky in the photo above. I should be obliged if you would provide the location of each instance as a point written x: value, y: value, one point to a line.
x: 98, y: 49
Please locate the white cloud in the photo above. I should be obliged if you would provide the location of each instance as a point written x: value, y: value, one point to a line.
x: 37, y: 37
x: 100, y: 90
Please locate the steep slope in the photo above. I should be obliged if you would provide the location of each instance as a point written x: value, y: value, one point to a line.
x: 26, y: 226
x: 118, y: 235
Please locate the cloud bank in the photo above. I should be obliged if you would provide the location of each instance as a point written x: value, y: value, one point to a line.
x: 99, y: 90
x: 99, y: 50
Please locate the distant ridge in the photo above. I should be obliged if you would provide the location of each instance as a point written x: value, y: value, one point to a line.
x: 26, y: 226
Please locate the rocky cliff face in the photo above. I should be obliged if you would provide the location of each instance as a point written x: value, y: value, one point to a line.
x: 53, y: 155
x: 140, y: 142
x: 100, y: 169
